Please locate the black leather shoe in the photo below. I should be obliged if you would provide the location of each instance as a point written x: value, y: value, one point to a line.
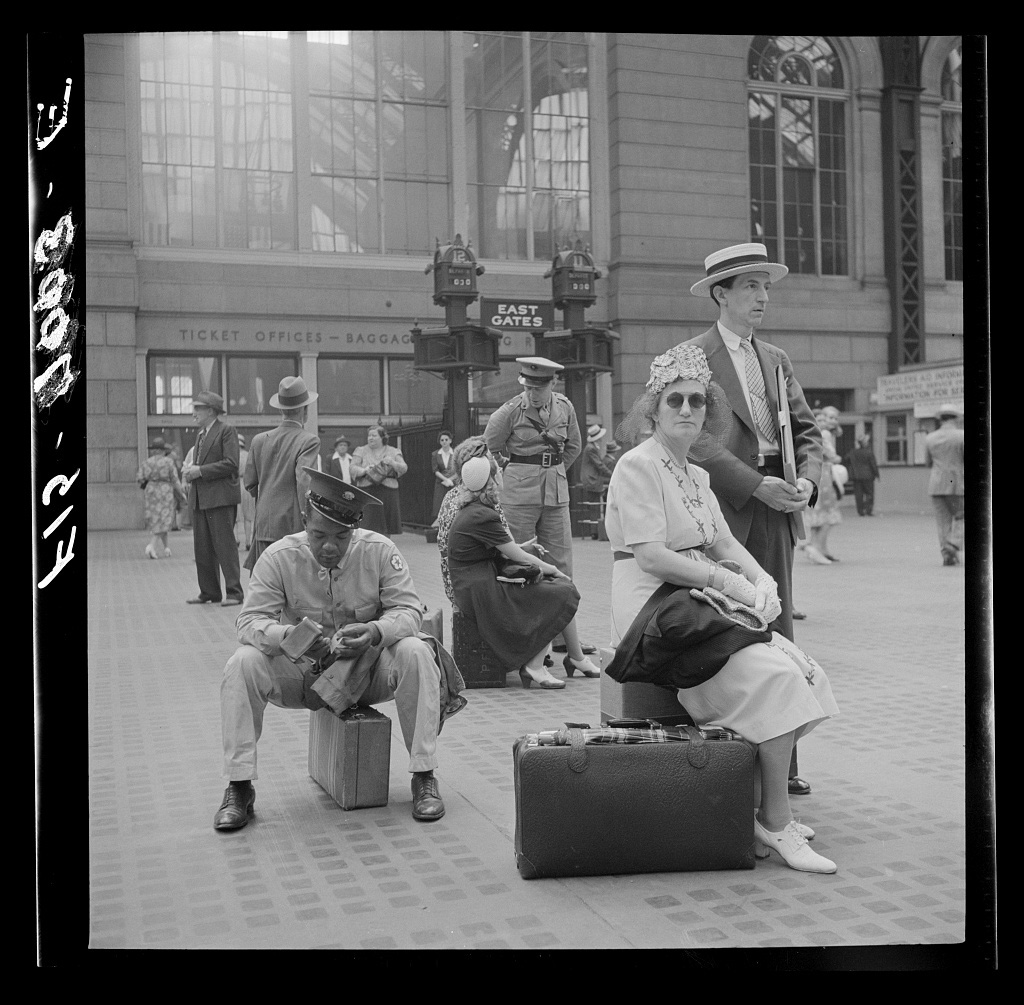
x: 799, y: 616
x: 230, y: 602
x: 237, y: 807
x: 201, y: 600
x: 798, y: 787
x: 426, y: 797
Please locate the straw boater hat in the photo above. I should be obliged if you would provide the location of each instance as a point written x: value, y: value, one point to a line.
x: 209, y: 399
x: 950, y: 411
x: 536, y: 371
x: 337, y: 500
x: 735, y: 261
x: 292, y: 393
x: 595, y: 433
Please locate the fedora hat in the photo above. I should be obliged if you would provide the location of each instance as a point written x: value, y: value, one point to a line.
x: 292, y: 393
x: 209, y: 399
x: 595, y: 433
x: 734, y: 261
x: 337, y: 500
x: 536, y: 371
x: 951, y: 410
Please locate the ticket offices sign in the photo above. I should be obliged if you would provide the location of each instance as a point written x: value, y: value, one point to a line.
x: 331, y: 337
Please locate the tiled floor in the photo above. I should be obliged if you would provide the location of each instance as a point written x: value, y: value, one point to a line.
x: 888, y: 783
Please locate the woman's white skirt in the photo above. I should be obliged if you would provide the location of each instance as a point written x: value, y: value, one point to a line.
x: 765, y: 690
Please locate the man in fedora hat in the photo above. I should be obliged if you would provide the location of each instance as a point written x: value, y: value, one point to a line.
x: 357, y: 584
x: 944, y: 454
x: 537, y: 431
x: 746, y: 466
x: 213, y: 498
x: 274, y: 474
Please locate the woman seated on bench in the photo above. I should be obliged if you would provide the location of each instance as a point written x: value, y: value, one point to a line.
x: 665, y: 523
x: 518, y: 621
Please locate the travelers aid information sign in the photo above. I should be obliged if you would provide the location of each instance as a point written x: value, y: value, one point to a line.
x: 533, y: 316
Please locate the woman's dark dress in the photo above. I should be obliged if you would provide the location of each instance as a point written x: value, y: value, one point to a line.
x: 517, y: 621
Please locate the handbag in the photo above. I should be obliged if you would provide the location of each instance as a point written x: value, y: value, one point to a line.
x: 509, y: 569
x: 682, y: 637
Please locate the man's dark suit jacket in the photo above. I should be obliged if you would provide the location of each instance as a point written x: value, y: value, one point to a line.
x: 732, y: 464
x: 218, y: 459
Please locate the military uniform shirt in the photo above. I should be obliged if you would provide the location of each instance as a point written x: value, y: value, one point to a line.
x: 510, y: 432
x: 371, y: 585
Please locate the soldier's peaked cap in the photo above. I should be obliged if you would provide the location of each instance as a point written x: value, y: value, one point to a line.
x: 337, y: 500
x: 537, y: 370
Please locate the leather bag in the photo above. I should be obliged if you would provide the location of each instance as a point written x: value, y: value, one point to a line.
x: 681, y: 641
x: 606, y: 809
x: 507, y: 568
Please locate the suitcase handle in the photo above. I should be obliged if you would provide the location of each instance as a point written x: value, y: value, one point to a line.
x: 633, y: 724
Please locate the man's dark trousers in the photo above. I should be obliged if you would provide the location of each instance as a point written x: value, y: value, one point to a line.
x: 864, y: 493
x: 216, y: 549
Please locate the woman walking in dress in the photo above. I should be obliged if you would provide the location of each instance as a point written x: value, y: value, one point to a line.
x: 158, y: 477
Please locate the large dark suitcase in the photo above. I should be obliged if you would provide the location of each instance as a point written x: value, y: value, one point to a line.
x: 473, y: 656
x: 587, y: 809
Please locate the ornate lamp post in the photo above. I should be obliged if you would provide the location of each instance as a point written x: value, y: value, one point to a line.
x: 460, y: 347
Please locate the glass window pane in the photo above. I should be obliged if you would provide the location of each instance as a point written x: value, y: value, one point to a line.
x: 176, y: 114
x: 204, y: 207
x: 349, y: 387
x: 201, y: 115
x: 258, y: 209
x: 179, y: 206
x: 175, y: 380
x: 154, y: 128
x: 253, y: 379
x: 151, y: 56
x: 232, y: 128
x: 414, y: 392
x: 154, y: 204
x: 234, y: 207
x: 320, y: 149
x: 257, y: 129
x: 176, y: 57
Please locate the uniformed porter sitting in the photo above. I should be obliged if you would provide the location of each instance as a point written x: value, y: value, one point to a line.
x: 356, y: 584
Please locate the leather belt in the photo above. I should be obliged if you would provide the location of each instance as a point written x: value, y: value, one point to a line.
x: 619, y: 556
x: 766, y: 462
x: 548, y: 459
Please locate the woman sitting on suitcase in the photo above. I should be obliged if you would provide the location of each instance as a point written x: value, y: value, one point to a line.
x: 517, y: 620
x: 665, y: 523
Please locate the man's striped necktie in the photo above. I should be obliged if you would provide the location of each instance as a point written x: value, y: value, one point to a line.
x: 758, y: 395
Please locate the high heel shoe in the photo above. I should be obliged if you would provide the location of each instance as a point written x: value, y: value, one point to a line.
x: 585, y: 667
x: 541, y: 677
x: 816, y: 556
x: 793, y: 848
x: 150, y: 552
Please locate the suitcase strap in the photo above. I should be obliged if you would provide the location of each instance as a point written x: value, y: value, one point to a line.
x: 697, y: 754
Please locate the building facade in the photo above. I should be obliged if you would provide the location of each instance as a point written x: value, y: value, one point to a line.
x: 265, y: 203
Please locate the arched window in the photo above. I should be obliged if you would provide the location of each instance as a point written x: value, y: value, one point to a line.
x: 798, y: 112
x: 952, y: 164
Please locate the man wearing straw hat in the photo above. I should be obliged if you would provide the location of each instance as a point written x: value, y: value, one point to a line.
x: 944, y: 450
x: 213, y: 498
x: 274, y: 473
x: 746, y: 466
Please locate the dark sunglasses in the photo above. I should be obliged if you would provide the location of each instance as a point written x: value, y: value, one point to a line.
x: 696, y: 399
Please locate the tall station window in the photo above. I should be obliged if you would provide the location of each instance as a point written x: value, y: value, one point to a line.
x: 798, y: 121
x: 952, y: 163
x: 414, y: 392
x: 896, y: 438
x: 527, y: 141
x: 217, y: 140
x: 379, y: 140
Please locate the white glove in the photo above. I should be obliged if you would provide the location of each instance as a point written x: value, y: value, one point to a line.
x: 739, y: 588
x: 767, y: 597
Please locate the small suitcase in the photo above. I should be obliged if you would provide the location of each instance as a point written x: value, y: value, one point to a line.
x: 635, y: 700
x: 350, y: 755
x: 473, y: 656
x: 588, y: 809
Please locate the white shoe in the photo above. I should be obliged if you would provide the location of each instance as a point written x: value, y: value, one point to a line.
x: 760, y: 851
x: 585, y: 667
x: 793, y: 848
x: 167, y: 552
x: 150, y: 552
x: 816, y: 557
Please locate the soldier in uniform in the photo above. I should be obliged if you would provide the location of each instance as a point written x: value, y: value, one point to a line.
x: 537, y: 431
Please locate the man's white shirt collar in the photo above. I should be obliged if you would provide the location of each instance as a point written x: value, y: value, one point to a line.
x: 730, y: 338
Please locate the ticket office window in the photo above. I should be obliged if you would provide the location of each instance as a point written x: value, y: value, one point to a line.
x: 174, y: 381
x: 350, y: 386
x: 252, y: 380
x: 896, y: 437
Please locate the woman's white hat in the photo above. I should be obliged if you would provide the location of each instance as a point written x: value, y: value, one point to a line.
x: 475, y: 473
x: 734, y: 261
